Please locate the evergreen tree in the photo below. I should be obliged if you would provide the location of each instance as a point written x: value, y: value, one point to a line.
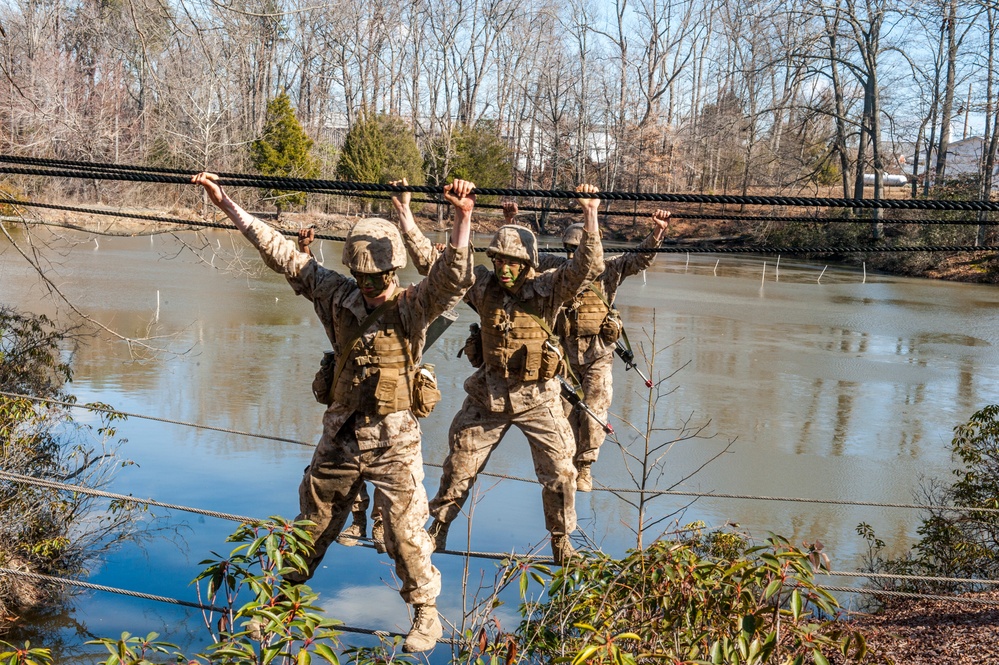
x: 379, y: 149
x: 481, y: 155
x: 284, y: 150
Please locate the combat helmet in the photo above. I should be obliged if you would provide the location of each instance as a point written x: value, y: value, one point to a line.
x: 515, y: 242
x: 573, y: 235
x: 374, y: 245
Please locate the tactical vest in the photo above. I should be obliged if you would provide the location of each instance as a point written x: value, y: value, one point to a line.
x: 512, y: 344
x: 377, y: 378
x: 583, y: 315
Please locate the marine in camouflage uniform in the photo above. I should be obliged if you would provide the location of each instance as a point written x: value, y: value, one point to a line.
x: 427, y: 254
x: 589, y: 333
x: 370, y: 432
x: 514, y: 384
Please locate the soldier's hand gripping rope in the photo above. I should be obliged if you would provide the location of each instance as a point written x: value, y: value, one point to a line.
x: 572, y: 397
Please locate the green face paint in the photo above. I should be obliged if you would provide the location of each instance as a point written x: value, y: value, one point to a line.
x: 373, y: 284
x: 508, y: 270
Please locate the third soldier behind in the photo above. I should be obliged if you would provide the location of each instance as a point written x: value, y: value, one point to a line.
x: 589, y: 328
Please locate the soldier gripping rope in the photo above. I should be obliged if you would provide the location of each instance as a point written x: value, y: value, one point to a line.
x: 370, y: 428
x: 517, y: 361
x: 591, y: 330
x: 350, y: 536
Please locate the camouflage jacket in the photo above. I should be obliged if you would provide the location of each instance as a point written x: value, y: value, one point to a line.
x: 329, y: 290
x: 582, y: 351
x: 545, y: 292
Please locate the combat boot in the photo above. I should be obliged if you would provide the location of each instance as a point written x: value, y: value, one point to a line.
x: 426, y: 629
x: 562, y: 549
x: 438, y: 535
x: 378, y: 535
x: 584, y: 479
x: 358, y: 529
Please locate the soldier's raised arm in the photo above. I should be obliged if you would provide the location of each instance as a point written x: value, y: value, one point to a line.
x: 587, y: 261
x: 632, y: 263
x: 461, y: 195
x: 279, y: 253
x: 421, y: 251
x: 450, y: 273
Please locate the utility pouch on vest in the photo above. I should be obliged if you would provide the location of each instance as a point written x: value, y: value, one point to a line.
x: 551, y: 359
x: 473, y: 346
x: 387, y: 398
x: 425, y: 391
x: 323, y: 383
x: 610, y: 329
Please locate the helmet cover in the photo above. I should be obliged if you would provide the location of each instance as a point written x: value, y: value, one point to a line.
x: 515, y: 242
x: 374, y: 245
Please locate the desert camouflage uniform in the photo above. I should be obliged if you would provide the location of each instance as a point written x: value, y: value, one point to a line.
x: 495, y: 402
x: 423, y: 255
x: 590, y: 357
x: 355, y: 447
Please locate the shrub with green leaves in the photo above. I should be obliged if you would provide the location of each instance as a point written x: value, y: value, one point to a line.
x: 699, y: 600
x: 45, y: 529
x: 256, y: 619
x: 284, y: 150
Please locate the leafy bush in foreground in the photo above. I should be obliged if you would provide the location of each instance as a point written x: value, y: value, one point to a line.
x: 707, y: 599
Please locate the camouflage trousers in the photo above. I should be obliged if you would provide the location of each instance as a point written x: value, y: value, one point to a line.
x: 598, y: 390
x: 475, y: 433
x: 331, y: 484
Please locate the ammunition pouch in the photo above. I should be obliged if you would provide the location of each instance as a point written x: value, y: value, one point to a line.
x: 473, y: 346
x: 322, y: 385
x: 425, y: 391
x: 611, y: 327
x: 552, y: 359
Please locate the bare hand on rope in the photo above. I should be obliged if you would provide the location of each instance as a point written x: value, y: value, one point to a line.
x: 305, y: 238
x: 401, y: 199
x: 510, y: 211
x: 460, y: 194
x: 401, y: 202
x: 660, y: 221
x: 588, y: 204
x: 209, y: 182
x: 591, y: 208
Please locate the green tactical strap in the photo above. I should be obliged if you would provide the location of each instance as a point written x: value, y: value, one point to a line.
x: 341, y: 361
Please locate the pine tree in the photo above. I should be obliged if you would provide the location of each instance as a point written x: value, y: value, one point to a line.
x: 481, y: 155
x: 284, y: 149
x: 380, y: 149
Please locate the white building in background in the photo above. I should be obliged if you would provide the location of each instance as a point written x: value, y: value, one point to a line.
x: 535, y: 148
x: 964, y: 158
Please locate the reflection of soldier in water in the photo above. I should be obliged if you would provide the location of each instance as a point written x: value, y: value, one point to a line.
x: 517, y: 357
x: 589, y: 328
x: 370, y: 432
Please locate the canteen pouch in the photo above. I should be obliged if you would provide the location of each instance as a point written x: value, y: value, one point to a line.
x: 473, y: 346
x: 425, y: 391
x: 551, y: 359
x: 610, y: 329
x: 323, y: 383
